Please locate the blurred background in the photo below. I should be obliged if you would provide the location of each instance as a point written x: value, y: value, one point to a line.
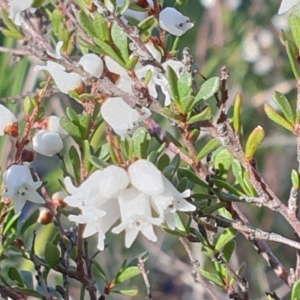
x: 243, y: 36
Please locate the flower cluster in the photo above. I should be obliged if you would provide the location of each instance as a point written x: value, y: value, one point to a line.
x: 113, y: 193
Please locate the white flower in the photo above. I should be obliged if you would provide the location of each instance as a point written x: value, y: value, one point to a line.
x: 85, y: 193
x: 124, y: 81
x: 6, y: 118
x: 52, y: 123
x: 16, y: 7
x: 136, y: 216
x: 98, y: 188
x: 169, y: 202
x: 121, y: 117
x: 286, y: 5
x: 65, y: 81
x: 165, y: 199
x: 98, y: 220
x: 92, y: 64
x: 174, y: 22
x: 21, y: 187
x: 47, y: 143
x: 145, y: 176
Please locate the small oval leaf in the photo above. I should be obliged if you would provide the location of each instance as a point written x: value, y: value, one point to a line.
x: 207, y: 90
x: 254, y: 140
x: 52, y: 255
x: 284, y: 105
x: 277, y: 118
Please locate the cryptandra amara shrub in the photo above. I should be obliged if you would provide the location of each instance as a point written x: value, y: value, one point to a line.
x: 124, y: 157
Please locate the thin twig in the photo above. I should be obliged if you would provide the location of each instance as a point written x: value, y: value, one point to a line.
x: 141, y: 266
x: 196, y: 275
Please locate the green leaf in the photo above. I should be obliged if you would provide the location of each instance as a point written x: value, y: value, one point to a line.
x: 163, y: 161
x: 87, y: 24
x: 26, y: 223
x: 82, y: 5
x: 127, y: 274
x: 292, y: 54
x: 184, y: 86
x: 9, y: 22
x: 84, y: 121
x: 254, y: 140
x: 52, y: 255
x: 295, y: 179
x: 211, y: 277
x: 172, y: 80
x: 207, y: 90
x: 121, y: 10
x: 15, y: 276
x: 226, y: 236
x: 284, y: 105
x: 75, y: 162
x: 237, y: 114
x: 37, y: 3
x: 108, y: 50
x: 209, y: 147
x: 170, y: 170
x: 126, y: 292
x: 97, y: 162
x: 202, y: 116
x: 242, y: 178
x: 101, y: 28
x: 277, y: 118
x: 72, y: 115
x: 191, y: 176
x: 222, y: 161
x: 30, y: 292
x: 147, y: 23
x: 296, y: 291
x: 99, y: 270
x: 8, y: 241
x: 294, y: 23
x: 57, y: 20
x: 224, y: 185
x: 120, y: 40
x: 87, y: 155
x: 71, y: 129
x: 141, y: 140
x: 12, y: 34
x: 207, y: 210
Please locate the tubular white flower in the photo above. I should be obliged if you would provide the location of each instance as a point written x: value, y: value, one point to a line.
x: 136, y: 216
x: 286, y: 5
x: 47, y: 143
x: 87, y: 192
x: 7, y: 118
x: 124, y: 81
x: 16, y: 7
x: 165, y: 199
x: 99, y: 187
x: 21, y: 187
x: 64, y: 81
x: 174, y: 22
x: 145, y: 176
x: 121, y: 117
x: 98, y: 220
x: 92, y: 64
x: 169, y: 201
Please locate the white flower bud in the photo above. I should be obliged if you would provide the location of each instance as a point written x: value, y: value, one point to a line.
x: 120, y: 116
x: 47, y: 143
x: 92, y: 64
x: 174, y: 22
